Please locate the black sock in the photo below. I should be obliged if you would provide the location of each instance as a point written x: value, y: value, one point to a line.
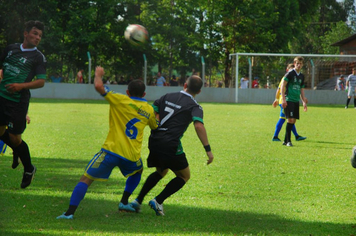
x: 71, y: 210
x: 172, y: 187
x: 125, y: 198
x: 288, y: 132
x: 151, y: 181
x: 354, y: 102
x: 347, y: 103
x: 24, y: 154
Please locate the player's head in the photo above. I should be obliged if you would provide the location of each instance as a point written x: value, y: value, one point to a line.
x: 298, y: 63
x: 136, y: 88
x: 193, y: 84
x: 33, y: 33
x: 290, y: 67
x: 34, y: 24
x: 298, y: 59
x: 354, y: 70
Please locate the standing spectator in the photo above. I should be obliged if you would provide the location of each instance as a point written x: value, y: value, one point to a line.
x: 121, y: 81
x: 173, y: 81
x: 20, y: 64
x: 244, y: 82
x: 175, y: 112
x: 255, y: 83
x: 351, y: 86
x: 129, y: 115
x: 340, y: 83
x: 80, y: 79
x: 292, y: 90
x: 160, y: 80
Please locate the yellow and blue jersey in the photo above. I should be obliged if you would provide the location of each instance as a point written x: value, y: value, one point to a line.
x: 128, y: 117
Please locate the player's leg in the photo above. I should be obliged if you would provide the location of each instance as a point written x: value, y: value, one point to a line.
x: 150, y: 183
x: 282, y: 119
x: 98, y: 168
x: 348, y: 99
x: 134, y: 171
x: 77, y: 196
x: 179, y: 165
x: 290, y: 112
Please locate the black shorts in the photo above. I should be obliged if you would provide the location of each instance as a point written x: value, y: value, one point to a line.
x: 13, y: 115
x: 164, y: 161
x: 292, y: 110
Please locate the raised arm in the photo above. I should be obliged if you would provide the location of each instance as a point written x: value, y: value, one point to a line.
x: 98, y: 80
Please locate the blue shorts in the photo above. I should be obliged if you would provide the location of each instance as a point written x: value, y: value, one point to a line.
x: 281, y: 114
x: 102, y: 164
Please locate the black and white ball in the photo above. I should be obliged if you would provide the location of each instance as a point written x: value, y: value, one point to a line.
x: 137, y: 35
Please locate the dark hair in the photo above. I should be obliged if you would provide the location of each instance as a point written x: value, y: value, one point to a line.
x: 136, y: 88
x: 34, y: 23
x: 194, y: 84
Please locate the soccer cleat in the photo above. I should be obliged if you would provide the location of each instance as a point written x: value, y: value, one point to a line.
x: 136, y: 206
x: 289, y: 144
x: 158, y: 208
x: 15, y: 160
x: 353, y: 157
x: 300, y: 138
x: 63, y: 216
x: 284, y: 143
x: 346, y: 107
x: 126, y: 208
x: 276, y: 139
x: 28, y: 177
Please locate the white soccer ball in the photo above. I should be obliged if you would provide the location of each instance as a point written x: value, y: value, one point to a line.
x: 136, y: 35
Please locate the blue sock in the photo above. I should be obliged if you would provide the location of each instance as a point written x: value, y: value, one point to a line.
x: 294, y: 130
x: 132, y: 182
x: 279, y: 127
x: 78, y: 194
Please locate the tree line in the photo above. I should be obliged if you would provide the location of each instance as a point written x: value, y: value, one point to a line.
x: 181, y: 32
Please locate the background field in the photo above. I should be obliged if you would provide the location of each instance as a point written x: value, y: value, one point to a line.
x: 254, y: 187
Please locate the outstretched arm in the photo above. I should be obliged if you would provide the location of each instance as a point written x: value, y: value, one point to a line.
x: 201, y: 132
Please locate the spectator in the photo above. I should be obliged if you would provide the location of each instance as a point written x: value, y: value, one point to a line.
x: 160, y: 80
x: 173, y: 81
x: 244, y: 82
x: 80, y: 79
x: 255, y: 83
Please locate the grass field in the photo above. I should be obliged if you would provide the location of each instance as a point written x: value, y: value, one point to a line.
x: 253, y: 187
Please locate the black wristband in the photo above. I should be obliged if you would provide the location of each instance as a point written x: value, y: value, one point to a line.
x: 207, y: 148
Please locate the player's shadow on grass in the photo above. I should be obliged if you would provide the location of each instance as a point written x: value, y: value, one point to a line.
x: 102, y: 216
x: 56, y: 173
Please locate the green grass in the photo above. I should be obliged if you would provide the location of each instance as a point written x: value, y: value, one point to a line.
x: 253, y: 187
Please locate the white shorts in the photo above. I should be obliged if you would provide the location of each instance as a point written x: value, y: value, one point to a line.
x: 351, y: 92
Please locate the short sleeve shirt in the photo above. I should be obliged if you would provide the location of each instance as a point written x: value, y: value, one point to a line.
x: 176, y: 112
x: 19, y: 66
x: 294, y: 85
x: 128, y: 116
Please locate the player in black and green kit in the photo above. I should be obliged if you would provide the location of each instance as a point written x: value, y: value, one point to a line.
x: 175, y: 111
x: 21, y: 63
x: 293, y: 90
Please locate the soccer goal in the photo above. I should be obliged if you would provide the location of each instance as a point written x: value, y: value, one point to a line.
x: 320, y: 71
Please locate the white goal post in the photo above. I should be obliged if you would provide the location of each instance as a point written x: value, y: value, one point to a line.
x: 270, y: 67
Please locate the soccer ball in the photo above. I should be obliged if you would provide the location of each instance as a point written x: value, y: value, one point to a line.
x: 136, y: 35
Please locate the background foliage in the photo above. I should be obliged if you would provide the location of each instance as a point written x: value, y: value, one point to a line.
x: 181, y: 32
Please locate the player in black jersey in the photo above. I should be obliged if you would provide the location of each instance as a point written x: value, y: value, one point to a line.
x: 175, y: 111
x: 20, y: 63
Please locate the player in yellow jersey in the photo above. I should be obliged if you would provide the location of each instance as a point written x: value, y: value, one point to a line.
x: 128, y: 117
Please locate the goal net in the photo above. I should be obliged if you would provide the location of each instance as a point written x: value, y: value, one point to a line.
x: 320, y: 71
